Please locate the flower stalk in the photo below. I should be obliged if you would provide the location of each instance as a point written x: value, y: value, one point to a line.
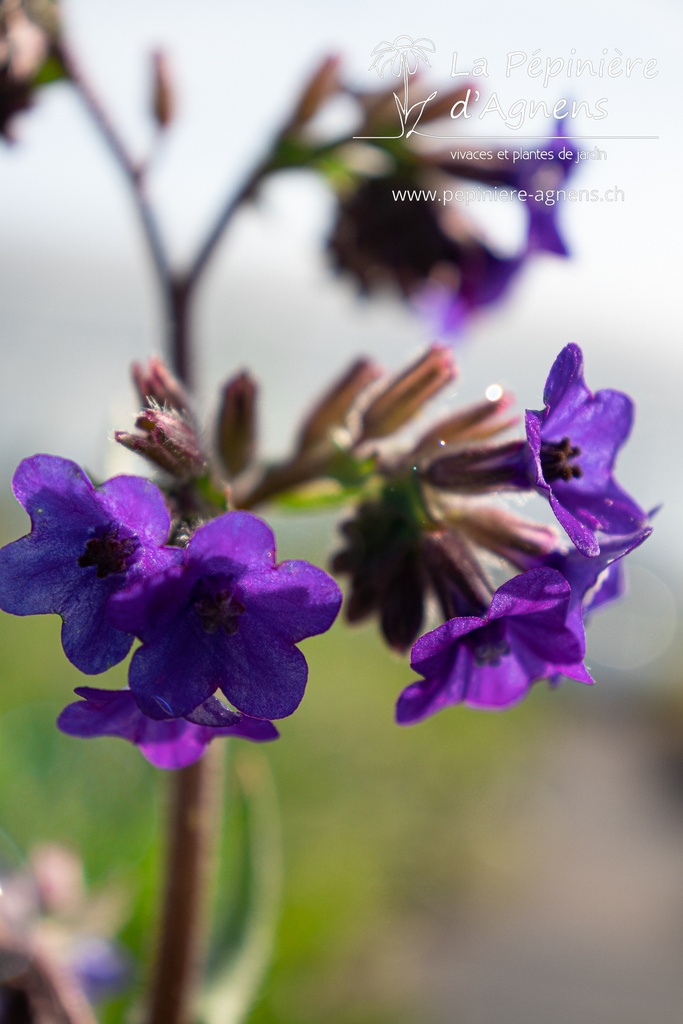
x: 193, y: 820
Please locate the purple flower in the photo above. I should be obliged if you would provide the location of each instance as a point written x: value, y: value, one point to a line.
x: 85, y: 544
x: 171, y: 743
x: 541, y: 178
x: 594, y: 581
x: 492, y: 662
x: 573, y: 444
x: 483, y: 278
x: 101, y: 966
x: 227, y: 618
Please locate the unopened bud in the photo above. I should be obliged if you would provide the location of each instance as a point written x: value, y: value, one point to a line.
x: 379, y: 110
x: 332, y: 410
x: 236, y: 438
x: 168, y: 440
x: 156, y: 384
x: 405, y: 396
x: 512, y: 537
x: 323, y: 83
x: 481, y: 470
x: 475, y: 423
x: 163, y: 96
x: 458, y: 580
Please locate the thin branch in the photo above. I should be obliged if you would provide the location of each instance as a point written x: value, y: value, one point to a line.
x: 133, y: 171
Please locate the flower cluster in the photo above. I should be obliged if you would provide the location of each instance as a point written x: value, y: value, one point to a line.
x: 398, y: 222
x: 215, y: 614
x: 433, y: 528
x: 196, y: 581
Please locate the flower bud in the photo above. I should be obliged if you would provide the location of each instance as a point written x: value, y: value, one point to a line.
x: 456, y: 577
x: 163, y: 95
x: 155, y: 383
x: 323, y: 83
x: 512, y: 537
x: 475, y: 423
x: 480, y: 470
x: 405, y: 396
x: 168, y: 440
x: 333, y: 408
x: 23, y: 46
x: 237, y: 423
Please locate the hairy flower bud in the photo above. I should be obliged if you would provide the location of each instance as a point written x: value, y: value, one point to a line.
x: 155, y: 383
x: 405, y: 395
x: 168, y: 440
x: 482, y: 469
x: 458, y: 580
x: 332, y: 410
x: 510, y: 536
x: 236, y: 428
x: 475, y: 423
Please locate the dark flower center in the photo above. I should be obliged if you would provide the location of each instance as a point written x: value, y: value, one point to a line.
x: 556, y: 460
x: 490, y: 654
x: 218, y: 606
x: 489, y: 644
x: 109, y: 553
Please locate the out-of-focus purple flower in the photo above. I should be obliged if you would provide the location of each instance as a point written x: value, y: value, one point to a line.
x: 227, y: 618
x: 482, y: 278
x: 491, y: 662
x: 86, y: 544
x: 167, y: 743
x: 101, y: 966
x: 573, y: 443
x: 541, y: 178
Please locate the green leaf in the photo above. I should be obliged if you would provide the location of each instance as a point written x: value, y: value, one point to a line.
x: 212, y: 492
x: 235, y: 985
x: 51, y: 70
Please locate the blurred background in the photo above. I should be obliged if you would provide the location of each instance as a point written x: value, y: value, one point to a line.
x: 520, y: 867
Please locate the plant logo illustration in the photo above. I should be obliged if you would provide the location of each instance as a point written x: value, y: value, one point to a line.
x: 402, y: 58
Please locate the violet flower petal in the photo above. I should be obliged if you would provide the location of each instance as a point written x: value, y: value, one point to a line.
x: 173, y: 743
x: 491, y: 662
x: 43, y: 572
x: 239, y: 538
x: 597, y: 425
x: 297, y: 600
x: 227, y: 619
